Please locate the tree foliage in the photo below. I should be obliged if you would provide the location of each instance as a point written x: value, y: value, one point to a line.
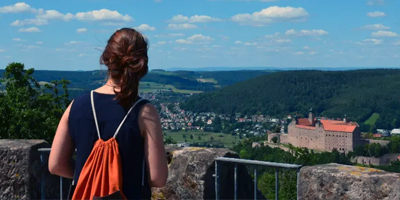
x: 28, y: 109
x: 358, y: 93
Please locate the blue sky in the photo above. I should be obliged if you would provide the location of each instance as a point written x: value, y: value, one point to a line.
x: 70, y: 35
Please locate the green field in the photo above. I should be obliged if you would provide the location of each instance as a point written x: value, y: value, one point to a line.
x: 219, y: 138
x: 150, y: 86
x: 371, y: 120
x: 207, y: 80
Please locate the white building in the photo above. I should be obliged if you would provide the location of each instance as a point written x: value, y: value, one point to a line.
x: 395, y: 132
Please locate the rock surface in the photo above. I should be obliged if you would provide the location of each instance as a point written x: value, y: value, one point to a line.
x: 21, y: 171
x: 343, y: 182
x: 191, y: 175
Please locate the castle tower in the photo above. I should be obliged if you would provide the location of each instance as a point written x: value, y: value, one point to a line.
x: 345, y: 118
x: 311, y: 117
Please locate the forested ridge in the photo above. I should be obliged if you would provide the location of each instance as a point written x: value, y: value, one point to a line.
x: 357, y: 93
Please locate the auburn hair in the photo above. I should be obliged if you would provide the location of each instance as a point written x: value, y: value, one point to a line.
x: 127, y: 61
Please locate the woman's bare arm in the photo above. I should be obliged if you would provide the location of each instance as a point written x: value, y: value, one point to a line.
x: 150, y: 126
x: 62, y: 149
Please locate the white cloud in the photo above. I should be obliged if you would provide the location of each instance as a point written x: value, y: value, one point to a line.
x: 73, y: 42
x: 375, y: 27
x: 281, y: 40
x: 1, y: 50
x: 17, y: 8
x: 202, y: 19
x: 313, y: 53
x: 270, y: 15
x: 18, y: 39
x: 200, y: 37
x: 145, y: 27
x: 103, y: 15
x: 306, y: 47
x: 397, y: 43
x: 55, y: 15
x: 372, y: 41
x: 298, y: 53
x: 81, y: 30
x: 30, y: 30
x: 250, y: 43
x: 37, y: 22
x: 39, y: 42
x: 384, y: 34
x: 181, y: 26
x: 238, y: 42
x: 82, y: 55
x: 307, y: 32
x: 183, y: 41
x: 179, y: 19
x: 161, y: 42
x: 193, y: 19
x: 376, y: 14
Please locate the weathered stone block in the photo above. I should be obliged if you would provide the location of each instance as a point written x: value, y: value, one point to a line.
x: 21, y: 171
x: 191, y: 176
x: 343, y: 182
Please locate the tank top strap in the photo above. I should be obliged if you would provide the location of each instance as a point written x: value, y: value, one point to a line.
x: 94, y: 114
x: 122, y: 122
x: 129, y: 111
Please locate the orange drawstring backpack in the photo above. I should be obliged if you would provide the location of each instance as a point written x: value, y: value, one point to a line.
x: 101, y: 176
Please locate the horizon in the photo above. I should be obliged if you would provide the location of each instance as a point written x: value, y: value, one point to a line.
x: 200, y: 34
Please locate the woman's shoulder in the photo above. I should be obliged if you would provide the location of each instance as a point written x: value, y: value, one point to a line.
x: 80, y: 102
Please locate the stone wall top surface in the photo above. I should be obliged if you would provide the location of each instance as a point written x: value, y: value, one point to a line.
x: 23, y: 143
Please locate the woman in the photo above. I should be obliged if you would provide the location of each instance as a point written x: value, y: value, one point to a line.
x: 140, y: 137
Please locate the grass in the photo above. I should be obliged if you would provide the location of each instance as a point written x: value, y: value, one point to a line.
x: 150, y: 86
x: 371, y: 120
x: 219, y: 138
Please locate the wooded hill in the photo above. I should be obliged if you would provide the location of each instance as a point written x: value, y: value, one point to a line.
x: 358, y: 94
x: 182, y: 80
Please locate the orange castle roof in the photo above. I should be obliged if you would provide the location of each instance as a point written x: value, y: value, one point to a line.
x: 328, y: 125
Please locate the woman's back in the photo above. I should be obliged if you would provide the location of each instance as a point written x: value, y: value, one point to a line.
x: 139, y: 141
x: 130, y: 140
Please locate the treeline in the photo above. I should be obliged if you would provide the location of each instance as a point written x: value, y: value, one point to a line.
x: 226, y: 78
x: 358, y: 94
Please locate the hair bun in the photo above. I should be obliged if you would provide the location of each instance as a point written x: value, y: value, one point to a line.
x: 126, y: 54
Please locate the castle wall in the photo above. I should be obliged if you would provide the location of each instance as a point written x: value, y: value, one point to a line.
x: 284, y: 138
x: 341, y: 141
x: 309, y: 138
x: 272, y: 135
x: 383, y: 160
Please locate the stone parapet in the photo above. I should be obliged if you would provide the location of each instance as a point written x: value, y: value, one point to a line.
x: 343, y: 182
x: 21, y: 171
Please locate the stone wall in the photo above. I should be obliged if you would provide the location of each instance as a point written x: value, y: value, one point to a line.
x: 21, y: 171
x: 381, y: 142
x: 343, y: 182
x: 191, y: 171
x: 191, y: 176
x: 272, y: 135
x: 383, y: 160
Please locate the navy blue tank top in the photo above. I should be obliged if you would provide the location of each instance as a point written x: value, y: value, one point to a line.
x: 110, y: 114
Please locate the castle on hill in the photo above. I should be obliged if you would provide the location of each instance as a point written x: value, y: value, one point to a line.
x: 323, y: 134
